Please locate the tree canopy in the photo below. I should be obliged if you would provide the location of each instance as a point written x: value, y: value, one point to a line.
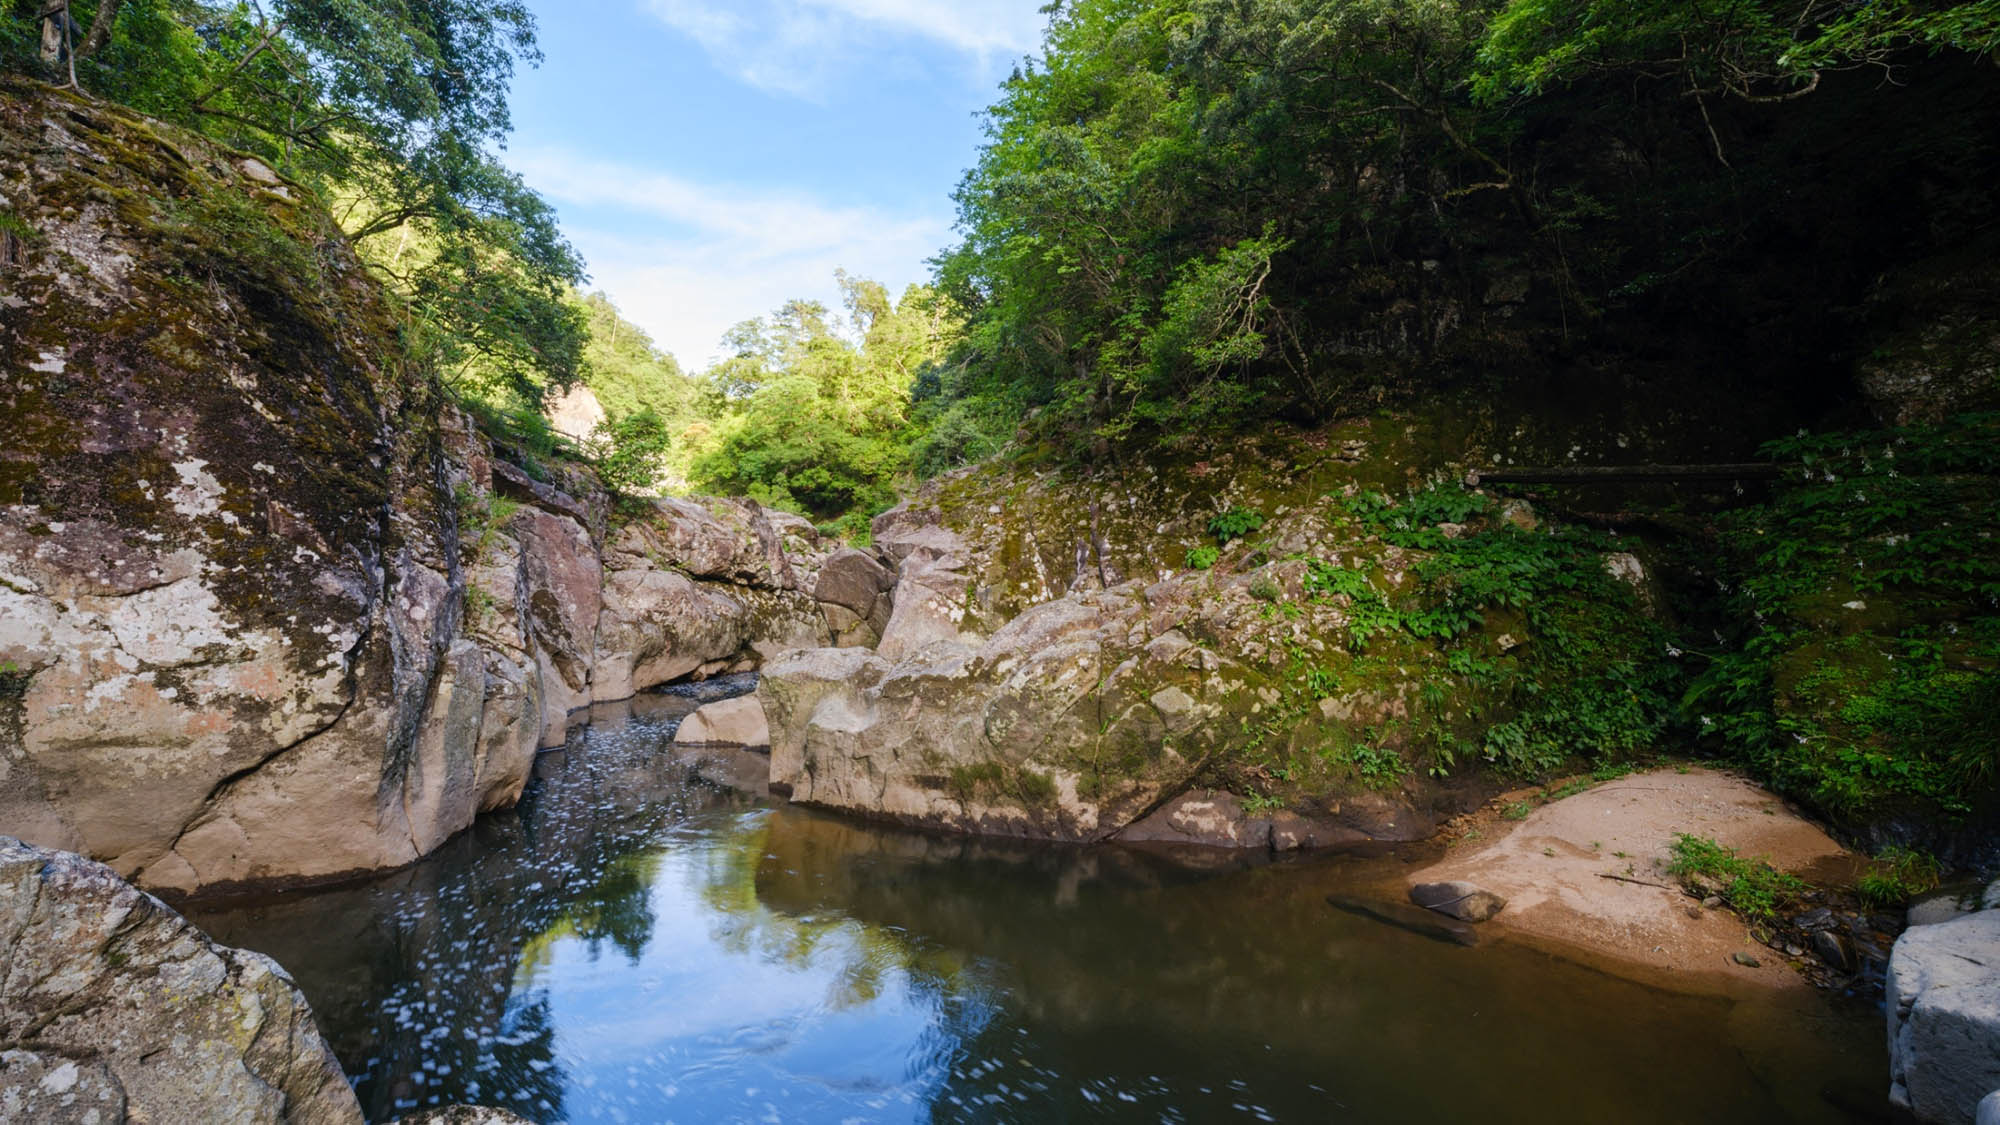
x: 1193, y: 213
x: 811, y: 411
x: 391, y: 109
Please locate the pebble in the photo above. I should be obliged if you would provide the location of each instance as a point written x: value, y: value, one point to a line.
x: 1745, y: 960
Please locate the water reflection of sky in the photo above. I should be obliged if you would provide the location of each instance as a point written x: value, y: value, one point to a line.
x: 635, y: 945
x: 744, y: 1016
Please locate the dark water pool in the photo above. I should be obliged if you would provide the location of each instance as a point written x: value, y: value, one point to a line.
x: 638, y: 943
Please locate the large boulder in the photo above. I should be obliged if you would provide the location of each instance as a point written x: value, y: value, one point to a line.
x: 227, y: 573
x: 806, y: 549
x: 255, y: 569
x: 727, y: 540
x: 854, y: 591
x: 738, y: 722
x: 1074, y: 720
x: 114, y: 1008
x: 1943, y: 1004
x: 695, y: 587
x: 928, y: 604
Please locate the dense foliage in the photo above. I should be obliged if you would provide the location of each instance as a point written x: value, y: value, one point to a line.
x: 1861, y: 666
x: 813, y: 415
x: 1595, y: 680
x: 390, y: 109
x: 1191, y: 213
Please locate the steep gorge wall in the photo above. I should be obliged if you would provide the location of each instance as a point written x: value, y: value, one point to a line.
x: 269, y: 607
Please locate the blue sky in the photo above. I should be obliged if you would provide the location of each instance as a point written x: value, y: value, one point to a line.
x: 713, y: 158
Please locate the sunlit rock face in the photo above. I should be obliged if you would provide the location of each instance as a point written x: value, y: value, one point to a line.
x: 1037, y: 648
x: 271, y: 608
x: 228, y: 586
x: 116, y: 1009
x: 1943, y: 1007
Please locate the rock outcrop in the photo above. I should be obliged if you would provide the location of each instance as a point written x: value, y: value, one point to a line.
x: 853, y: 588
x: 257, y: 569
x: 1075, y: 718
x: 113, y: 1008
x: 1943, y: 1004
x: 735, y: 722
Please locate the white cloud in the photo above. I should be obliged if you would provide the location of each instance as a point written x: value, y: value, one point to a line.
x: 710, y: 255
x: 798, y: 46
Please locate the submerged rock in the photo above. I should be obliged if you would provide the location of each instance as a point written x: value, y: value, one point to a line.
x: 463, y: 1115
x: 115, y: 1008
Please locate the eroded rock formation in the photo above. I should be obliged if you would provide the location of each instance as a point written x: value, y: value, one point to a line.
x: 270, y: 607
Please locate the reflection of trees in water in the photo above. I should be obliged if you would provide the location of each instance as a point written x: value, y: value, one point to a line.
x: 1041, y: 983
x: 1137, y: 989
x: 862, y: 958
x: 617, y: 908
x: 423, y: 981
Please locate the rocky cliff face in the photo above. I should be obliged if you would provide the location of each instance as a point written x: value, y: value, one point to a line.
x: 1943, y: 1007
x: 1083, y: 655
x: 269, y: 607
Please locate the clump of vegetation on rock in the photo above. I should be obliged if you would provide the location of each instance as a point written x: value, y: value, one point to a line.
x: 1588, y: 674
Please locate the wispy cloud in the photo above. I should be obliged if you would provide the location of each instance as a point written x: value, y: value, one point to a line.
x: 708, y: 255
x: 799, y: 46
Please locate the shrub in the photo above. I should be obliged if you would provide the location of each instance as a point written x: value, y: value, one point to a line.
x: 631, y: 452
x: 1898, y: 875
x: 1751, y: 887
x: 1235, y: 524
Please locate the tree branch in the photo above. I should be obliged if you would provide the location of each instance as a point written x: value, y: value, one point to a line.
x: 270, y: 34
x: 100, y: 28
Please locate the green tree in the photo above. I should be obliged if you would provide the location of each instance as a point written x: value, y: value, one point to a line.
x: 812, y: 413
x: 1761, y: 50
x: 391, y: 110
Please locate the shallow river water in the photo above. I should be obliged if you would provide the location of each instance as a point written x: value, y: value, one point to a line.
x: 639, y: 943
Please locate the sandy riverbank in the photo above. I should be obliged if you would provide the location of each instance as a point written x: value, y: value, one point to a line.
x: 1552, y: 868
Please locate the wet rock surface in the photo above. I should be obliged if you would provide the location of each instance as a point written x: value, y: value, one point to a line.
x: 114, y: 1008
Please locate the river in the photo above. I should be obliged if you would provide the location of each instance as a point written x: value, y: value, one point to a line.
x: 644, y: 941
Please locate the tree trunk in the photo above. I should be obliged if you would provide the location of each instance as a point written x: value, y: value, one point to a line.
x: 100, y: 29
x: 55, y: 19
